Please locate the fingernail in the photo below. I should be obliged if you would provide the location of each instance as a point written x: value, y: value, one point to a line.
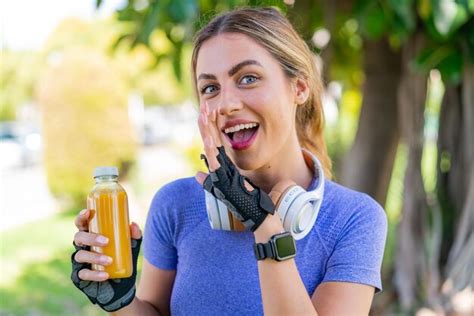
x: 102, y: 239
x: 83, y: 212
x: 105, y: 259
x: 103, y: 274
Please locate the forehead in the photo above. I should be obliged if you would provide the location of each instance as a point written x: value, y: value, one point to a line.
x: 218, y: 54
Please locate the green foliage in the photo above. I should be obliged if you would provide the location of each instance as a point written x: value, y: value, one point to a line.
x: 447, y: 26
x: 178, y: 20
x: 85, y: 122
x: 372, y: 18
x: 445, y: 58
x: 18, y: 72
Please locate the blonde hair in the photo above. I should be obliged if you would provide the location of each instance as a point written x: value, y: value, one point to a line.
x: 274, y: 32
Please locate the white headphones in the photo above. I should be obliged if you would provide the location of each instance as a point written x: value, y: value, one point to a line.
x: 298, y: 208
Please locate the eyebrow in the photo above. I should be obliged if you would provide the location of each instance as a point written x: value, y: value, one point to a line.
x: 233, y: 70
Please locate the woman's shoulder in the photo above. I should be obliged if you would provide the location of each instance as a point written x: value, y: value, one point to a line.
x: 348, y: 200
x: 178, y: 191
x: 345, y: 209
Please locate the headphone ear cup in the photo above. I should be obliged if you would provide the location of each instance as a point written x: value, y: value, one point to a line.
x: 212, y: 208
x: 224, y: 216
x: 299, y: 209
x: 302, y: 215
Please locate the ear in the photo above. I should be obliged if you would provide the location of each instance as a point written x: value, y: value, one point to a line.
x: 301, y: 90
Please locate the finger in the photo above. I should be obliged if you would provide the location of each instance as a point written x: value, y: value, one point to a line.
x: 135, y: 231
x: 84, y: 256
x: 201, y: 177
x: 202, y: 124
x: 211, y: 153
x: 82, y: 238
x: 213, y: 128
x: 89, y: 275
x: 82, y: 220
x: 248, y: 186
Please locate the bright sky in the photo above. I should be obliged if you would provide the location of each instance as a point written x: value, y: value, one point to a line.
x: 26, y: 24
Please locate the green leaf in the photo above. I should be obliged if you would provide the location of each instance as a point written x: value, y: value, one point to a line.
x: 448, y: 16
x: 176, y: 59
x: 467, y: 4
x: 98, y: 3
x: 128, y: 14
x: 447, y: 59
x: 451, y: 67
x: 430, y: 58
x: 404, y: 13
x: 404, y: 19
x: 373, y: 21
x: 424, y: 9
x: 123, y: 37
x: 149, y: 24
x: 182, y: 11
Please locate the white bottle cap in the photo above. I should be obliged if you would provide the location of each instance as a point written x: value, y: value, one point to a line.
x: 106, y: 171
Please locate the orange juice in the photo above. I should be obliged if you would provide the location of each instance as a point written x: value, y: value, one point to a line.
x: 108, y: 204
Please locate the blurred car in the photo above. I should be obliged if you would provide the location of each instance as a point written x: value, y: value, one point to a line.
x: 20, y: 145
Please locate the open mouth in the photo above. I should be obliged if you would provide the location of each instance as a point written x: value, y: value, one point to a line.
x: 241, y: 136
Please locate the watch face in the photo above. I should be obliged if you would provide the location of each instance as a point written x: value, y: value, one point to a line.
x: 285, y: 246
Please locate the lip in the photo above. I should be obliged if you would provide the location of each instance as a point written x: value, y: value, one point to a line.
x: 242, y: 145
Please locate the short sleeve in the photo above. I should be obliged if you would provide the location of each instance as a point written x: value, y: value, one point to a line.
x: 358, y: 252
x: 158, y: 241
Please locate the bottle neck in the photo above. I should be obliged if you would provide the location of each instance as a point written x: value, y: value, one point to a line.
x: 106, y: 179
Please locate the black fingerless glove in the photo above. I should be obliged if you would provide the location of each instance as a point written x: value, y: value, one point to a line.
x: 227, y: 185
x: 112, y: 294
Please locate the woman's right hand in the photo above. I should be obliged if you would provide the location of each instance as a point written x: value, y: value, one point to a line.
x: 110, y: 294
x: 83, y: 240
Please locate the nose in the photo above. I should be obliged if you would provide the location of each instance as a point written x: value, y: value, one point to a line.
x: 229, y: 102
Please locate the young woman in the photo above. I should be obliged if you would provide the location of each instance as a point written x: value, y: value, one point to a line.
x: 259, y: 95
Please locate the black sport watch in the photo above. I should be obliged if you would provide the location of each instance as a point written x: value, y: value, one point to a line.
x: 280, y: 247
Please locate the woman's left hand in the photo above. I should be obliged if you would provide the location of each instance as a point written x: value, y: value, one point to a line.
x: 247, y: 202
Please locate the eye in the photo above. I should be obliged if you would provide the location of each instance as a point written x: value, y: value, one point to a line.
x: 248, y: 79
x: 208, y: 89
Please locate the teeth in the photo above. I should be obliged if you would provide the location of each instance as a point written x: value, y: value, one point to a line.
x: 239, y: 127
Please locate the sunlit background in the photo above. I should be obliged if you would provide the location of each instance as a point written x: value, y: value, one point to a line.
x: 78, y: 92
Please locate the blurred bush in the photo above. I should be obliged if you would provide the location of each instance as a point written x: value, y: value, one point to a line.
x: 193, y: 156
x: 18, y: 73
x: 84, y: 120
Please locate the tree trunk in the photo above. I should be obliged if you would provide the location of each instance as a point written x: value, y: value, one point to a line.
x: 411, y: 265
x: 449, y: 165
x: 456, y: 185
x: 368, y: 165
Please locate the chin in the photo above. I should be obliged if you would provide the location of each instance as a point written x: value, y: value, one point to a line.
x: 245, y: 161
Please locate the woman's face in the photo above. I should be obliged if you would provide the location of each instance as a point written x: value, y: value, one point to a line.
x: 255, y: 101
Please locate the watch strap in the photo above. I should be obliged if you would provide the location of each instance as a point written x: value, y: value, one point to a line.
x: 263, y: 251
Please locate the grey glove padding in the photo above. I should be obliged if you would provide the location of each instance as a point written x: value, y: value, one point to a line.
x: 112, y: 294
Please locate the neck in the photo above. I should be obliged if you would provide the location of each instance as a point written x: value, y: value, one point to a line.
x: 287, y: 164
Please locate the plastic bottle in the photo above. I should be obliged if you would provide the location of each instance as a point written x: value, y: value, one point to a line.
x: 108, y: 204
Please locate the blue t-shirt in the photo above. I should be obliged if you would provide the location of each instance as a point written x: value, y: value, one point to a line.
x: 216, y: 271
